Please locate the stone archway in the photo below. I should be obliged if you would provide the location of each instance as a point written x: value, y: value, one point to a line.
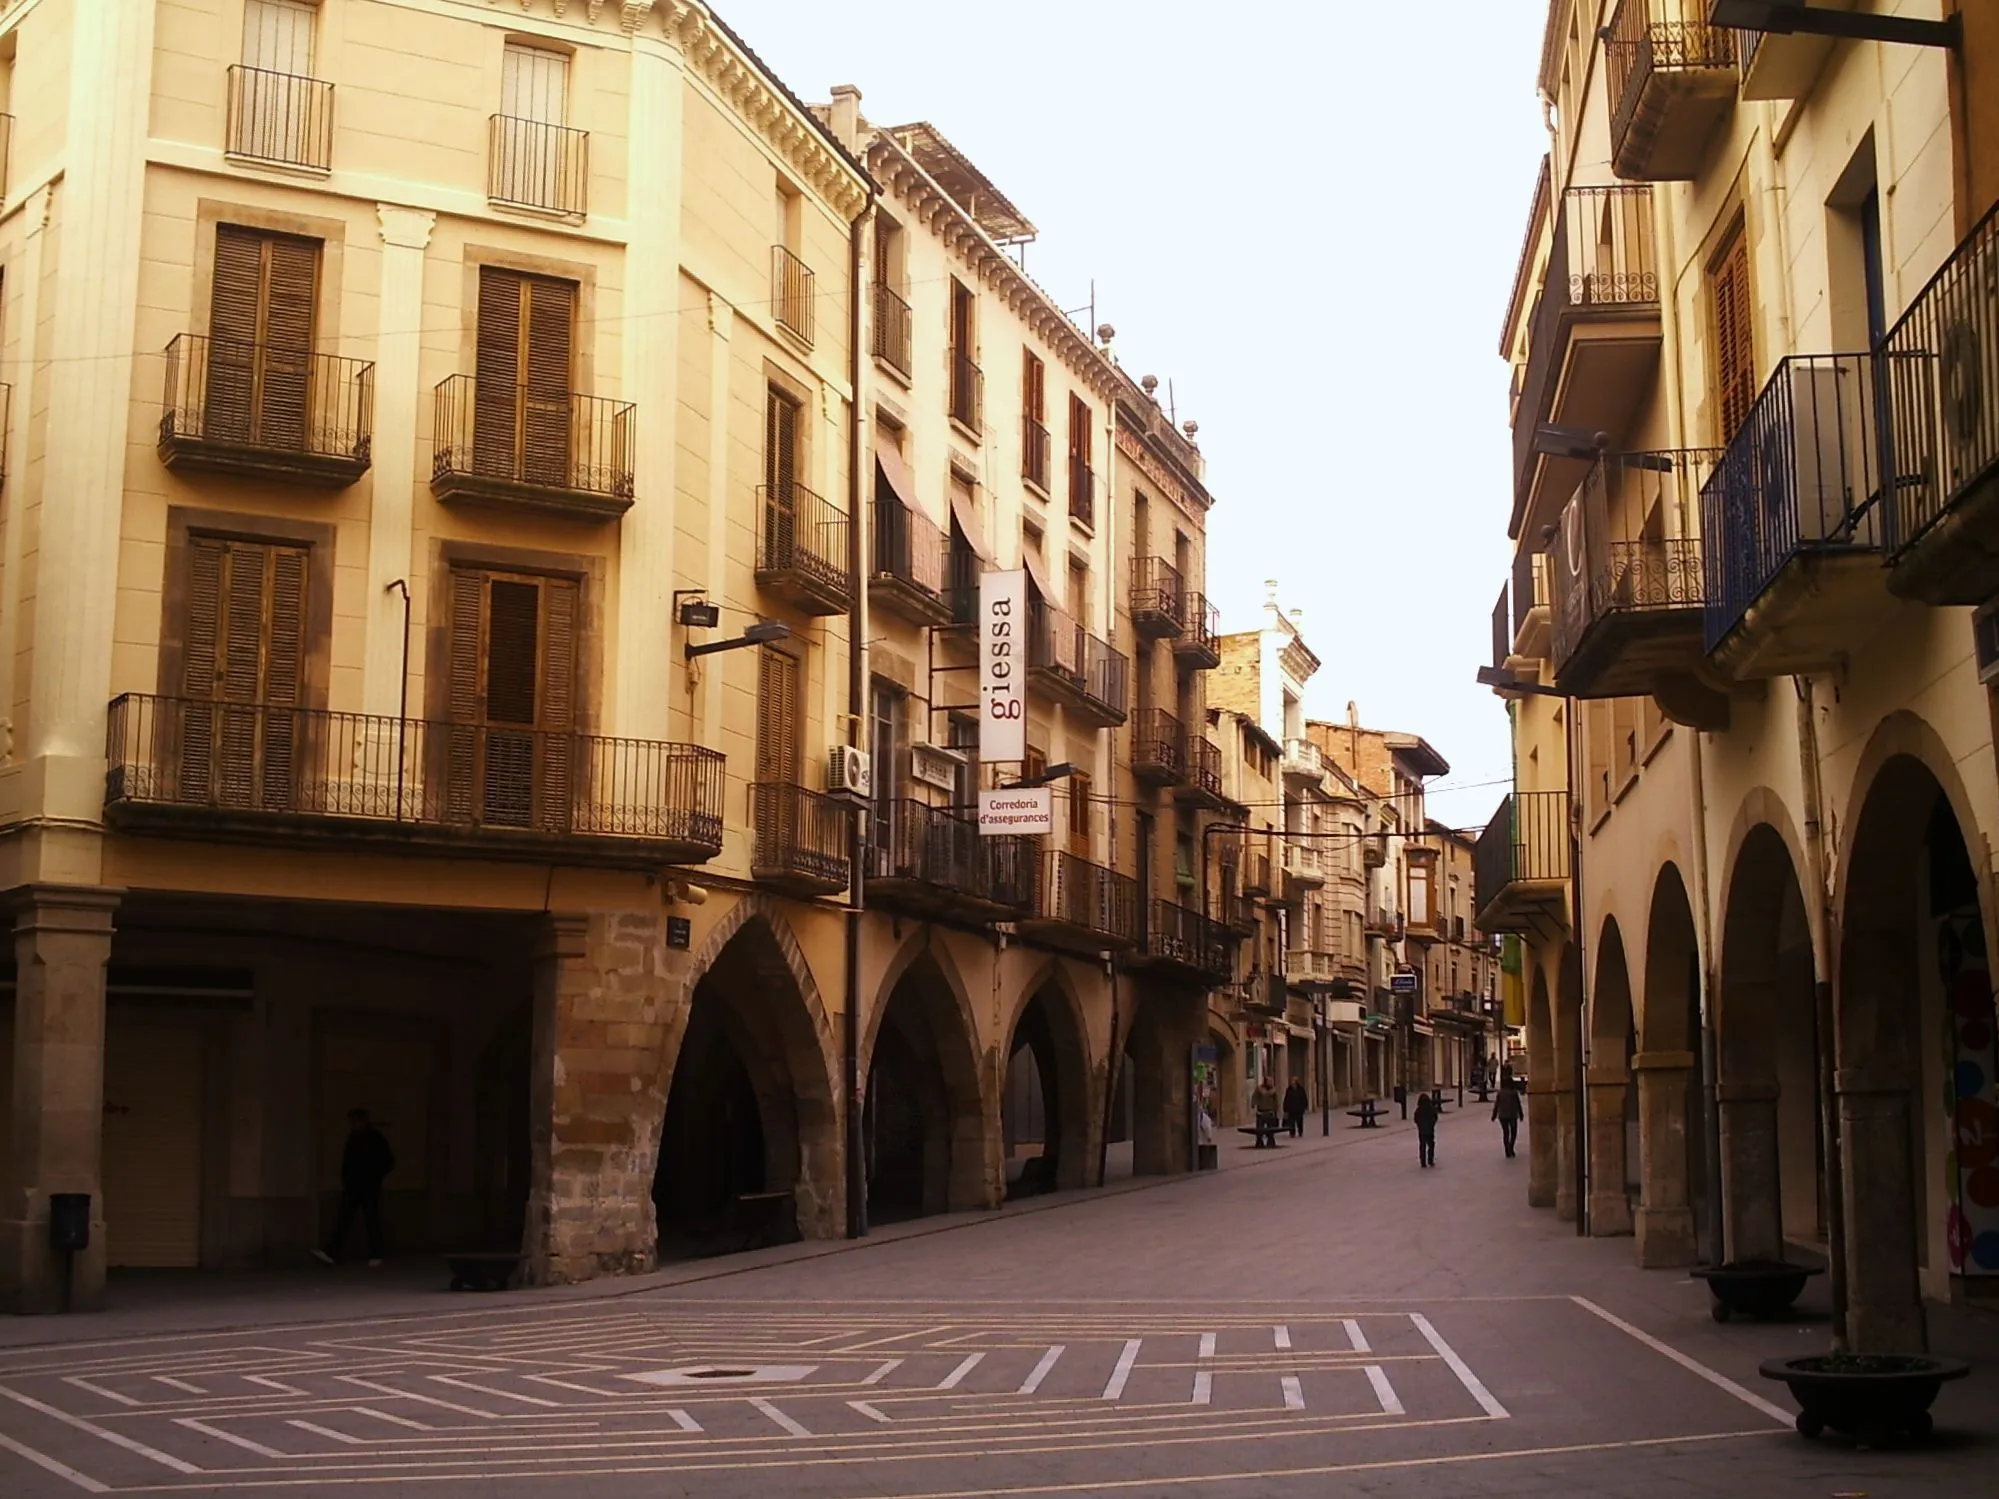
x: 1541, y: 1164
x: 1165, y: 1025
x: 925, y: 1117
x: 752, y: 1104
x: 1669, y: 1222
x: 1047, y: 1124
x: 1612, y: 1100
x: 1914, y: 1018
x: 1767, y: 1055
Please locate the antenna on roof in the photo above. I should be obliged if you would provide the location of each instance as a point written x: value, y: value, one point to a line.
x: 1172, y: 410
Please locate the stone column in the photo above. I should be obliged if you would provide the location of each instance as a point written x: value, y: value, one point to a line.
x: 1751, y: 1199
x: 62, y: 940
x: 602, y: 1009
x: 1161, y: 1082
x: 392, y: 476
x: 30, y: 376
x: 1664, y: 1220
x: 1565, y: 1155
x: 1541, y: 1154
x: 1609, y: 1202
x: 1884, y: 1310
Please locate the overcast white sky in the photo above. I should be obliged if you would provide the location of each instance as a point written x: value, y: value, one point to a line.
x: 1306, y: 216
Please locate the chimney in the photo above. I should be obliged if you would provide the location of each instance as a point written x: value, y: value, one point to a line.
x: 1353, y: 715
x: 846, y: 115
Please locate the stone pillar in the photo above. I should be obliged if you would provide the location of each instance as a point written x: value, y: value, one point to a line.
x: 1609, y: 1202
x: 392, y: 477
x: 1664, y: 1220
x: 1161, y: 1059
x: 1565, y: 1155
x: 603, y: 1005
x: 29, y: 379
x: 62, y: 940
x: 1541, y: 1154
x: 1751, y: 1195
x: 1884, y: 1310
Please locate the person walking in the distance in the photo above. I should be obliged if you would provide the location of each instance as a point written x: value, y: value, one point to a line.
x: 364, y: 1164
x: 1263, y: 1104
x: 1426, y: 1129
x: 1296, y: 1102
x: 1506, y: 1109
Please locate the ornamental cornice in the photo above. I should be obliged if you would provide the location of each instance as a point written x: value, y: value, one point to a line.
x: 630, y: 13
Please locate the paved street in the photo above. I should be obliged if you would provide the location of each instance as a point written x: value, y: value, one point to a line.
x: 1377, y: 1329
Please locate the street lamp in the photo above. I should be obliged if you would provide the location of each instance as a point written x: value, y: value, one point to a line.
x: 1787, y: 17
x: 763, y: 632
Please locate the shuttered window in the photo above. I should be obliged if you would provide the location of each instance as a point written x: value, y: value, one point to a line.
x: 781, y: 429
x: 512, y: 698
x: 260, y: 324
x: 242, y: 671
x: 534, y: 85
x: 1079, y: 814
x: 1735, y: 342
x: 780, y: 735
x: 277, y: 35
x: 526, y: 352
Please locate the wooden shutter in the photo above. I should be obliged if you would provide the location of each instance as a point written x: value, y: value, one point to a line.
x: 243, y: 671
x: 780, y: 480
x: 513, y: 683
x: 780, y: 746
x: 521, y: 426
x: 462, y: 739
x: 549, y: 320
x: 261, y: 312
x: 512, y: 699
x: 1735, y: 342
x: 232, y: 334
x: 1079, y: 814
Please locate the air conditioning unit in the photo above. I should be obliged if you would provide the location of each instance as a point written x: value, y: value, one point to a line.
x: 1968, y: 379
x: 849, y: 774
x: 1829, y: 463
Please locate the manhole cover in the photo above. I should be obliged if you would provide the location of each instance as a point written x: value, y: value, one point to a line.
x: 709, y: 1374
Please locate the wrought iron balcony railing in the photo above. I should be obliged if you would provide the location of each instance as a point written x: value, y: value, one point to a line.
x: 801, y: 840
x: 280, y: 117
x: 791, y: 294
x: 1180, y: 938
x: 892, y: 330
x: 1200, y: 642
x: 1525, y: 844
x: 1082, y: 491
x: 251, y: 770
x: 235, y: 406
x: 1034, y: 453
x: 534, y: 164
x: 547, y: 449
x: 911, y: 558
x: 1502, y: 630
x: 1086, y: 899
x: 1672, y: 75
x: 1203, y: 759
x: 968, y: 392
x: 1158, y: 598
x: 1087, y: 673
x: 802, y: 549
x: 1158, y: 745
x: 935, y: 857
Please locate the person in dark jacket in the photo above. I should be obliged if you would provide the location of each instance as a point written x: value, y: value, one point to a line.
x: 1263, y: 1104
x: 1506, y: 1109
x: 1295, y: 1104
x: 1426, y: 1129
x: 364, y: 1165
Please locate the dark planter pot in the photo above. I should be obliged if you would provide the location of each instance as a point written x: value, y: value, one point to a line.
x: 490, y: 1271
x: 1753, y: 1288
x: 1872, y: 1397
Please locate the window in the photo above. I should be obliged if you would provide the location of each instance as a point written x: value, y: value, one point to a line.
x: 512, y: 698
x: 1734, y: 333
x: 886, y: 737
x: 892, y: 326
x: 791, y: 279
x: 277, y: 110
x: 260, y: 323
x: 537, y: 161
x: 1079, y: 815
x: 243, y: 653
x: 534, y: 85
x: 783, y: 499
x: 1082, y: 480
x: 1420, y: 913
x: 521, y: 402
x: 1034, y: 420
x: 966, y: 379
x: 277, y: 36
x: 780, y: 731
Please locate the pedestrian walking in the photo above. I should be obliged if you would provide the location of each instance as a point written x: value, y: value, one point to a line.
x: 1506, y: 1109
x: 365, y: 1163
x: 1263, y: 1103
x: 1426, y: 1129
x: 1296, y: 1102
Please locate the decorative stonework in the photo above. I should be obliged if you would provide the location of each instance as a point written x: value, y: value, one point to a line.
x: 405, y: 228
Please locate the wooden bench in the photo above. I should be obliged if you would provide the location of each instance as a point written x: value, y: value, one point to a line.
x: 762, y: 1219
x: 1259, y: 1131
x: 1369, y: 1114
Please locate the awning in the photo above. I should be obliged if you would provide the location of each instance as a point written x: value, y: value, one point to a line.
x: 968, y: 527
x: 1035, y: 577
x: 896, y: 474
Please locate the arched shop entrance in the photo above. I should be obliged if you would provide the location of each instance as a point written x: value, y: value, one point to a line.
x: 1613, y: 1101
x: 1045, y: 1109
x: 1671, y: 1218
x: 923, y: 1121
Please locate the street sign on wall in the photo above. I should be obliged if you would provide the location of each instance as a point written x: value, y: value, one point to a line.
x: 1003, y: 666
x: 1028, y: 811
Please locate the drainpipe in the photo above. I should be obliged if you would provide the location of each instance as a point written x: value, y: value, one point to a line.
x: 1821, y: 930
x: 857, y: 701
x: 1710, y: 1059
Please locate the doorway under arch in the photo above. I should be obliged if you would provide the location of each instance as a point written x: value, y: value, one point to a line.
x: 1613, y: 1101
x: 1670, y: 1221
x: 1045, y: 1108
x: 923, y: 1124
x: 1541, y: 1163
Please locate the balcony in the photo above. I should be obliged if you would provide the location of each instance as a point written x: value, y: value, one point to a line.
x: 1778, y: 65
x: 1942, y: 363
x: 1384, y: 924
x: 1304, y: 763
x: 1266, y: 993
x: 934, y: 863
x: 1075, y: 668
x: 791, y: 294
x: 1672, y: 79
x: 1082, y: 491
x: 967, y: 393
x: 538, y: 166
x: 1157, y: 599
x: 1237, y: 913
x: 803, y: 841
x: 266, y: 412
x: 280, y: 119
x: 1202, y: 786
x: 1303, y: 870
x: 1792, y: 522
x: 246, y: 772
x: 911, y: 557
x: 1081, y: 905
x: 1200, y: 647
x: 1034, y: 447
x: 1627, y: 609
x: 1593, y: 346
x: 1158, y: 748
x: 1520, y: 867
x: 802, y: 549
x: 1182, y: 944
x: 892, y: 331
x: 517, y: 446
x: 1308, y: 968
x: 1374, y: 850
x: 1533, y: 603
x: 1256, y: 873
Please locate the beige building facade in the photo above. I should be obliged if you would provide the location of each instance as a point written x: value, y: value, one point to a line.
x: 1754, y: 783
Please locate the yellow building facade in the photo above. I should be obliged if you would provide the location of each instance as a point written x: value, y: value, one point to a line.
x: 1754, y: 782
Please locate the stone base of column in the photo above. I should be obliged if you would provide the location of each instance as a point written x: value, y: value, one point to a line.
x: 1541, y: 1162
x: 1565, y: 1157
x: 1665, y: 1237
x: 35, y: 1280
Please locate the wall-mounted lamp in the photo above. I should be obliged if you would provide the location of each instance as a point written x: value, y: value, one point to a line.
x: 1058, y: 772
x: 692, y: 609
x: 763, y: 632
x: 1786, y: 17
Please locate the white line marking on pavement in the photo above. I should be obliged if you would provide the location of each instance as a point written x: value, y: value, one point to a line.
x: 868, y: 1410
x: 1294, y: 1392
x: 570, y: 1384
x: 230, y: 1437
x: 1693, y: 1366
x: 780, y: 1418
x: 1204, y: 1387
x: 97, y: 1389
x: 1391, y: 1403
x: 896, y: 1337
x: 684, y: 1421
x: 1282, y: 1335
x: 180, y: 1384
x: 273, y: 1384
x: 952, y: 1380
x: 1207, y: 1345
x: 1041, y: 1370
x: 888, y: 1366
x: 389, y: 1389
x: 369, y: 1410
x: 1115, y: 1389
x: 62, y: 1470
x: 466, y: 1384
x: 328, y: 1432
x: 116, y: 1439
x: 1458, y: 1367
x: 1355, y: 1336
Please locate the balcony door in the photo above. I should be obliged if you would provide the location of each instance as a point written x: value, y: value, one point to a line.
x: 274, y: 108
x: 781, y: 497
x: 779, y: 814
x: 511, y: 757
x: 260, y: 323
x: 526, y: 355
x: 242, y: 673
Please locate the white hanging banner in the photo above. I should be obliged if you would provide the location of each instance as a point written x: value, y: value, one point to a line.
x: 1025, y: 810
x: 1003, y: 666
